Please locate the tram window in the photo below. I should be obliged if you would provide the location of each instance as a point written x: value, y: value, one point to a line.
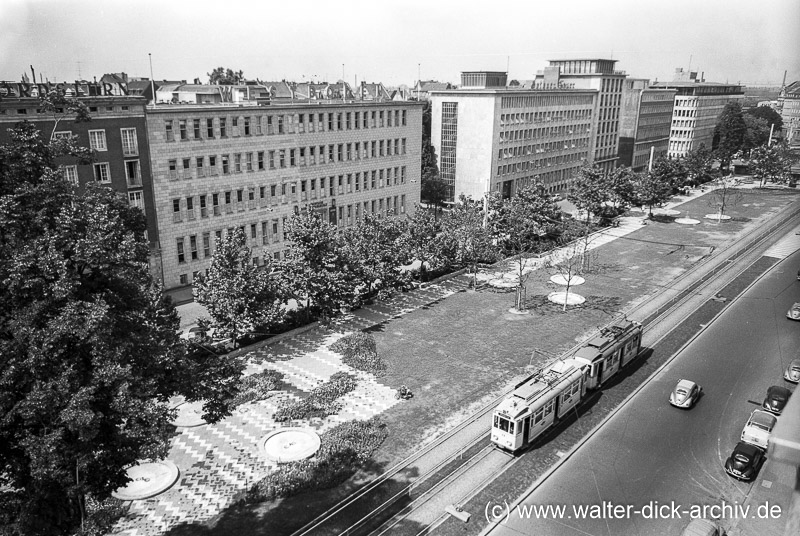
x: 504, y: 425
x: 548, y: 409
x: 538, y: 416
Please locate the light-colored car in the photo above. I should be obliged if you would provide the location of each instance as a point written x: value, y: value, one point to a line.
x: 758, y: 428
x: 792, y: 373
x: 794, y: 312
x: 703, y: 527
x: 685, y: 394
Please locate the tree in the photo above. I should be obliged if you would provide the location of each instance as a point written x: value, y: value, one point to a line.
x: 757, y: 132
x: 652, y: 190
x: 670, y: 172
x: 225, y: 77
x: 89, y: 351
x: 767, y: 114
x: 472, y: 242
x: 315, y: 271
x: 725, y: 195
x: 375, y: 253
x: 56, y: 104
x: 698, y: 163
x: 589, y: 191
x: 772, y: 162
x: 620, y: 187
x: 521, y: 225
x: 569, y: 261
x: 426, y: 241
x: 729, y: 134
x: 237, y: 294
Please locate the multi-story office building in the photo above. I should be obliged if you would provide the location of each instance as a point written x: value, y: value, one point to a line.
x: 698, y: 105
x: 493, y: 138
x: 789, y: 108
x: 117, y: 134
x: 645, y: 123
x: 222, y: 166
x: 598, y: 75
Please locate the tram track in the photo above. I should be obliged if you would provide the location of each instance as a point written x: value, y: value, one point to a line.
x: 393, y: 504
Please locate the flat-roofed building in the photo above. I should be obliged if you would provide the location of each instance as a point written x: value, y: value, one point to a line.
x: 698, y: 105
x: 496, y: 138
x: 645, y: 123
x: 601, y: 76
x: 789, y: 108
x: 222, y: 166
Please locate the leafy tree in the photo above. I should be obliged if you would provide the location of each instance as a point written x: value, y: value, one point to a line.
x: 670, y: 172
x: 471, y: 242
x: 426, y: 242
x: 727, y: 194
x: 238, y: 295
x: 699, y: 166
x: 651, y: 190
x: 767, y: 114
x: 56, y: 104
x: 89, y: 352
x: 225, y: 77
x: 757, y: 132
x: 589, y: 191
x: 521, y: 225
x: 315, y: 271
x: 772, y: 162
x: 729, y: 134
x: 620, y: 187
x: 374, y: 249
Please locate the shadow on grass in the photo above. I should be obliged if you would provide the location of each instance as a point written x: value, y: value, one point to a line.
x: 539, y: 304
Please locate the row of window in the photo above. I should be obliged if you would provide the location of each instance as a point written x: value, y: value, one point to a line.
x: 527, y: 118
x: 283, y: 158
x: 287, y: 192
x: 542, y: 101
x: 540, y: 148
x: 102, y: 173
x: 508, y: 136
x: 272, y: 231
x: 97, y: 140
x: 210, y: 127
x: 530, y: 165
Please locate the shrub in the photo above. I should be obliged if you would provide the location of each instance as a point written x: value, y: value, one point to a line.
x: 344, y: 449
x: 322, y: 401
x: 360, y: 352
x: 257, y: 387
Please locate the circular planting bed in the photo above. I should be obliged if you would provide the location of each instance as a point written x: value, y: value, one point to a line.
x: 148, y: 480
x: 290, y: 444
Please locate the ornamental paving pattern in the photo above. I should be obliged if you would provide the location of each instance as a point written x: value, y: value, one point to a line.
x: 219, y: 462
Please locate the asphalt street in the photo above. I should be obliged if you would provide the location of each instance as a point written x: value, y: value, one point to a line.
x: 653, y: 466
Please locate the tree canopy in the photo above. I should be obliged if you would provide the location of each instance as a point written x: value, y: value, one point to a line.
x: 89, y: 351
x: 225, y: 77
x: 730, y: 133
x: 767, y: 114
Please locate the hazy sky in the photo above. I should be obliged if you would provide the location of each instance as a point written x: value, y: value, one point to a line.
x: 752, y: 42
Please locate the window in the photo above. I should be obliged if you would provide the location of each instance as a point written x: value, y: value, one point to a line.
x: 181, y: 255
x: 253, y: 233
x: 201, y: 172
x: 235, y: 126
x: 186, y: 165
x: 246, y: 126
x: 282, y: 157
x: 225, y: 164
x: 132, y: 173
x: 62, y: 134
x: 206, y: 245
x: 136, y: 199
x: 215, y: 204
x: 291, y: 158
x: 222, y: 127
x: 97, y: 140
x: 196, y: 128
x: 193, y: 246
x: 212, y: 163
x: 182, y: 128
x: 173, y: 169
x: 209, y: 127
x: 260, y: 156
x: 168, y: 130
x: 130, y: 147
x: 176, y: 210
x: 272, y: 160
x: 237, y: 163
x: 190, y: 208
x: 71, y: 174
x: 102, y: 172
x: 280, y: 124
x: 184, y: 277
x: 203, y: 207
x: 228, y: 207
x: 249, y: 161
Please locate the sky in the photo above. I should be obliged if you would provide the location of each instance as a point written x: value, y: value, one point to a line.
x: 397, y: 42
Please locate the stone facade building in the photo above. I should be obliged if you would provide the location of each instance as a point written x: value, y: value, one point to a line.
x: 218, y: 167
x: 496, y: 138
x: 645, y: 123
x: 789, y: 108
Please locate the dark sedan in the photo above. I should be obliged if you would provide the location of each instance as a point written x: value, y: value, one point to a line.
x: 776, y: 399
x: 745, y: 461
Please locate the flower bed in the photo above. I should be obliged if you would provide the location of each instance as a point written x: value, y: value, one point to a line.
x: 322, y: 401
x: 344, y: 450
x: 257, y: 387
x: 360, y: 352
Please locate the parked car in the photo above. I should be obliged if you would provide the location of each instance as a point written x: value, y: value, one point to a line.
x: 776, y: 399
x: 703, y: 527
x: 794, y: 312
x: 758, y: 428
x: 685, y: 394
x: 745, y: 461
x: 792, y: 373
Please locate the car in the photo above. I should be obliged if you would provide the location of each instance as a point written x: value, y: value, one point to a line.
x: 703, y: 527
x: 744, y: 462
x: 776, y: 399
x: 758, y: 428
x: 794, y: 312
x: 685, y: 394
x: 792, y: 373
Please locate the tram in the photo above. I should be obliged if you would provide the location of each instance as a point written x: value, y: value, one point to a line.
x: 549, y: 393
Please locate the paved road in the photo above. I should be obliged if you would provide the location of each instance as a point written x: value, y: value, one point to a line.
x: 650, y: 454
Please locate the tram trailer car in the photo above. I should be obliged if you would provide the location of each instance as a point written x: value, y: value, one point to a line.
x: 545, y: 397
